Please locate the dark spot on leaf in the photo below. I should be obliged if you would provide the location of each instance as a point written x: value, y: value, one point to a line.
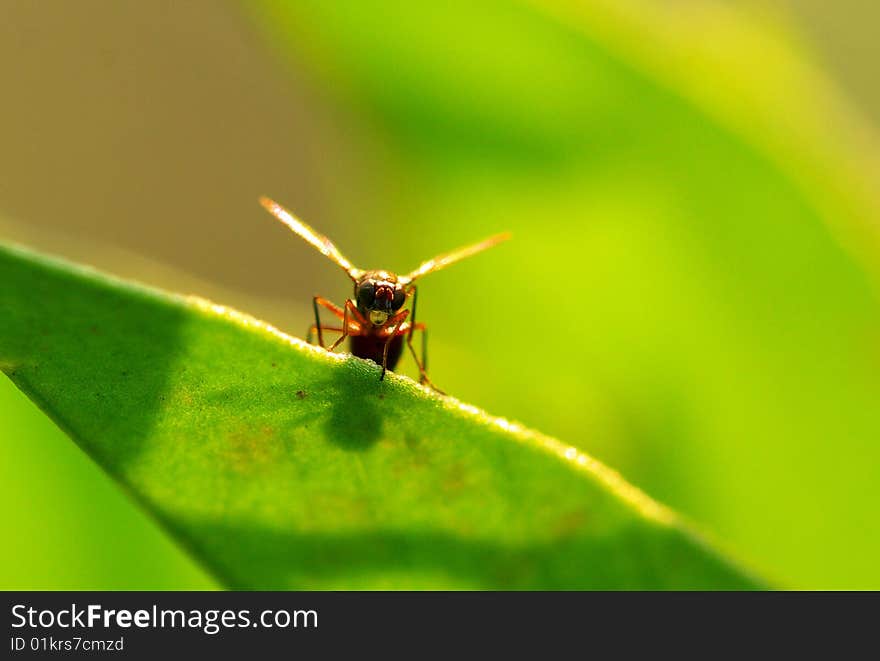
x: 455, y: 478
x: 570, y: 523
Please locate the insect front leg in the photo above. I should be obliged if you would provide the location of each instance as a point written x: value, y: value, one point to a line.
x: 350, y: 323
x: 316, y: 301
x: 393, y: 326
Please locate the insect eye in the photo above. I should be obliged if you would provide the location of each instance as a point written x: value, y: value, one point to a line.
x: 366, y: 294
x: 399, y: 299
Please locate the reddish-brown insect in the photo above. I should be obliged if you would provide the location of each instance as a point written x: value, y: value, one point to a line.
x: 374, y: 318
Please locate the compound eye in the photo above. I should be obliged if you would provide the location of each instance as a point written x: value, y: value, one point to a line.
x: 366, y: 295
x: 399, y: 299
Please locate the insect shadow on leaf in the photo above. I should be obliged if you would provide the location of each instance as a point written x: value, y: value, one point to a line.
x: 355, y: 420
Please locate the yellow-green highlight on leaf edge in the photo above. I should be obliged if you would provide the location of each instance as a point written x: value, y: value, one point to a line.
x: 280, y: 466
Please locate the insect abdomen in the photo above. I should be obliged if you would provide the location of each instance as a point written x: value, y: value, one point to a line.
x: 371, y: 347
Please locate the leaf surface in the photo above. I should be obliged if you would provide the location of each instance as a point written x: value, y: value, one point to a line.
x: 279, y: 465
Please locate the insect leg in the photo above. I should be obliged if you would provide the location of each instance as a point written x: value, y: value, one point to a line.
x: 313, y: 329
x: 397, y: 321
x: 316, y: 301
x: 335, y: 309
x: 317, y: 324
x: 423, y: 363
x: 424, y: 349
x: 415, y: 291
x: 347, y: 323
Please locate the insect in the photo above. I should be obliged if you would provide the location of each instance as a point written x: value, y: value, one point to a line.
x: 374, y: 318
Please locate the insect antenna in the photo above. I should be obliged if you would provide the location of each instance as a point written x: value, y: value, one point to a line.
x: 446, y: 259
x: 317, y: 240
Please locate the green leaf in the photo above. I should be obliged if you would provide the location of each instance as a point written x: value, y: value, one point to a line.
x: 279, y: 465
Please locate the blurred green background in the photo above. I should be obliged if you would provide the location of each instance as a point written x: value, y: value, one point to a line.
x: 690, y: 295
